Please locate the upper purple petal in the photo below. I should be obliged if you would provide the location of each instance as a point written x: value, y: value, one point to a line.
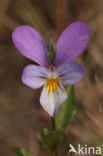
x: 71, y: 43
x: 30, y: 43
x: 70, y: 73
x: 34, y: 76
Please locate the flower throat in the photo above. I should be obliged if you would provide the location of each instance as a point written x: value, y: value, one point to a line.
x: 52, y: 84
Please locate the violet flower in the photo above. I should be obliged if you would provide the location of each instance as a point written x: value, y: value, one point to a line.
x: 52, y: 75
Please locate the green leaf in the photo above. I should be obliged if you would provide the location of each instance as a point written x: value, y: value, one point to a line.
x: 42, y: 138
x: 50, y: 139
x: 20, y: 151
x: 66, y: 110
x: 54, y: 138
x: 51, y: 51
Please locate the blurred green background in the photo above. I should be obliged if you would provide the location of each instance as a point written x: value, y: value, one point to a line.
x: 18, y: 122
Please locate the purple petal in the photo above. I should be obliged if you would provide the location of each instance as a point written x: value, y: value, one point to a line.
x: 70, y: 73
x: 51, y: 102
x: 30, y: 43
x: 71, y: 43
x: 34, y: 76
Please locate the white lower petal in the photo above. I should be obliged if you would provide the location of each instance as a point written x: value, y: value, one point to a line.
x: 51, y: 102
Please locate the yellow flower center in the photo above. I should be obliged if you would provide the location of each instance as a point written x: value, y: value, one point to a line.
x: 52, y: 84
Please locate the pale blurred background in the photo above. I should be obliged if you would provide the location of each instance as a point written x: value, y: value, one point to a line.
x: 19, y: 126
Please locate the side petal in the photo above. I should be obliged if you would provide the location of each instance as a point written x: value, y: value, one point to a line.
x: 70, y: 73
x: 30, y: 43
x: 51, y: 102
x: 72, y: 42
x: 34, y: 76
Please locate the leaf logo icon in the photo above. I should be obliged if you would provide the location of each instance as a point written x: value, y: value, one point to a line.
x: 72, y: 149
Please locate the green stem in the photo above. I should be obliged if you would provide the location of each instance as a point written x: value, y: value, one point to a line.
x: 53, y: 124
x: 55, y: 152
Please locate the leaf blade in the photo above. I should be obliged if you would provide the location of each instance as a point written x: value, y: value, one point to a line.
x: 66, y: 110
